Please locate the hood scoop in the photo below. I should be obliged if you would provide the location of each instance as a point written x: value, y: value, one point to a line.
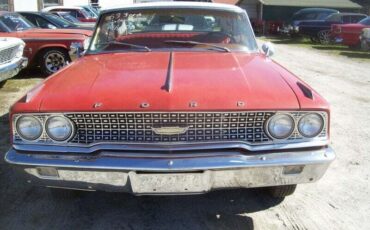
x: 306, y: 91
x: 168, y: 84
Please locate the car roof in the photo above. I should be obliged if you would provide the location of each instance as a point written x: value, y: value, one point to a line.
x: 32, y: 12
x: 165, y: 5
x: 62, y: 8
x: 353, y: 14
x: 318, y: 9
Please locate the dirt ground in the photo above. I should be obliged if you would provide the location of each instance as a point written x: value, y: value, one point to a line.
x: 340, y: 200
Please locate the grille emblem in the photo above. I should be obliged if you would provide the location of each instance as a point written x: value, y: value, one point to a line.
x: 174, y: 130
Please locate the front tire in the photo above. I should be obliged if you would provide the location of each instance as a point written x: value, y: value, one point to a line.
x: 282, y: 191
x: 52, y: 60
x: 324, y: 37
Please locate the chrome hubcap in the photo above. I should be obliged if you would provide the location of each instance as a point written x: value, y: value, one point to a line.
x: 324, y: 37
x: 54, y: 62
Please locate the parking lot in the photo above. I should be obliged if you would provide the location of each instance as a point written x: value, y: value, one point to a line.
x: 340, y: 200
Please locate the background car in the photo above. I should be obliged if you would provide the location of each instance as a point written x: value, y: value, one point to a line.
x: 51, y: 21
x: 76, y: 11
x: 349, y: 34
x: 67, y: 16
x: 11, y: 57
x: 291, y: 27
x: 93, y: 12
x: 46, y: 48
x: 365, y: 39
x: 320, y: 30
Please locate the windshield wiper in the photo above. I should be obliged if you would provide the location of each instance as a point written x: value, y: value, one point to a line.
x: 126, y: 44
x: 175, y: 42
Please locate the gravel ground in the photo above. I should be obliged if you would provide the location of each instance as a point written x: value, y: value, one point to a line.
x: 340, y: 200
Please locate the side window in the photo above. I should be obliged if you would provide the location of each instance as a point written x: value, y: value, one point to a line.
x: 356, y: 19
x: 31, y: 18
x: 346, y: 19
x: 41, y: 22
x: 79, y: 14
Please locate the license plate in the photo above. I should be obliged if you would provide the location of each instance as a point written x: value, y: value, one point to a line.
x: 166, y: 183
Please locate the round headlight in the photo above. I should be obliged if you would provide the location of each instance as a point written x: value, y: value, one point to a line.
x: 280, y: 126
x: 59, y: 128
x: 29, y: 127
x: 310, y: 125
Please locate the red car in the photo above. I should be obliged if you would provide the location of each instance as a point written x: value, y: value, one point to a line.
x: 47, y: 48
x: 179, y: 102
x: 349, y: 34
x: 76, y: 11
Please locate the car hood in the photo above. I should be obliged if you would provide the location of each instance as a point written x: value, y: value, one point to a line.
x: 160, y: 81
x: 353, y: 25
x: 39, y: 33
x: 6, y: 43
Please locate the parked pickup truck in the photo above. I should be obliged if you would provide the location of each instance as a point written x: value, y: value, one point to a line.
x: 349, y: 34
x: 11, y: 57
x: 320, y: 30
x: 183, y: 102
x: 47, y: 48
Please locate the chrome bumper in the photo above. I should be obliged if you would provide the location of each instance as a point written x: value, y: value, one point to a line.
x: 11, y: 69
x: 173, y: 173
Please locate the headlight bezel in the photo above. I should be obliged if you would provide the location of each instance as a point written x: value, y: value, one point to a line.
x: 296, y: 131
x: 320, y: 130
x: 20, y: 51
x: 21, y: 135
x: 267, y: 130
x: 47, y: 131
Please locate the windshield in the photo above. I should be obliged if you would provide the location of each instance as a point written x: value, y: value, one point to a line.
x: 15, y: 22
x: 365, y: 21
x: 69, y: 17
x: 164, y: 29
x: 90, y: 11
x: 58, y: 20
x: 86, y: 13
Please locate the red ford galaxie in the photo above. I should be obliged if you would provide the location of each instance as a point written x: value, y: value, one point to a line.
x: 47, y: 48
x: 349, y: 34
x: 172, y: 98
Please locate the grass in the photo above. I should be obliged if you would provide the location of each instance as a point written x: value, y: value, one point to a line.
x: 331, y: 49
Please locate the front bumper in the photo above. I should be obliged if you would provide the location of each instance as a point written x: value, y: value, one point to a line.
x: 182, y: 173
x: 13, y: 68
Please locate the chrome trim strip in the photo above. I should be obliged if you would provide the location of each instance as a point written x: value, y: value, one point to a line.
x: 229, y: 160
x: 164, y: 147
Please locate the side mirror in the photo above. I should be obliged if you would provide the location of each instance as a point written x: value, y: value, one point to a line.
x: 75, y: 51
x: 268, y: 49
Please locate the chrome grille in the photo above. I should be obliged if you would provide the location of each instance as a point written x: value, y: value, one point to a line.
x: 8, y: 54
x: 201, y: 127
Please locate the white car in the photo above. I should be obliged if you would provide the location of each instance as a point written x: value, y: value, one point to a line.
x: 11, y: 57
